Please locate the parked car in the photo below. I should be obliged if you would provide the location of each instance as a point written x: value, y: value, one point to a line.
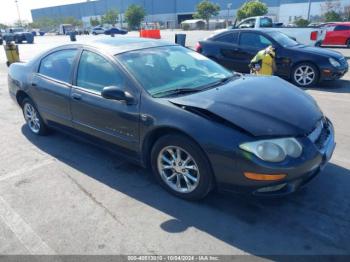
x: 338, y: 34
x: 98, y: 30
x: 305, y: 35
x: 303, y: 65
x: 115, y: 31
x: 18, y: 35
x: 198, y: 125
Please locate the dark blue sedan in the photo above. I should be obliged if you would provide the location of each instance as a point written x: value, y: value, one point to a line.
x: 196, y: 124
x: 303, y: 65
x: 115, y: 31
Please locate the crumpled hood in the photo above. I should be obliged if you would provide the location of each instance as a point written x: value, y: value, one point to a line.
x: 263, y: 106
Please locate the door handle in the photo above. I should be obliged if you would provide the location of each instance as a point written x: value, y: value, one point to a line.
x: 76, y: 96
x: 34, y: 84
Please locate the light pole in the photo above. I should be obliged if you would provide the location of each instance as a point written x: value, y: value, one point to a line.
x: 19, y: 15
x: 308, y: 11
x: 120, y: 16
x: 228, y: 13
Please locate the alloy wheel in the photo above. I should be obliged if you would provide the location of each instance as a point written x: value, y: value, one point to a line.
x: 32, y: 118
x: 178, y: 169
x: 304, y: 75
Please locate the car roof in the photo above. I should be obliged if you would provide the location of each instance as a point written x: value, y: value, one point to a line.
x: 117, y: 45
x: 254, y: 30
x: 338, y: 23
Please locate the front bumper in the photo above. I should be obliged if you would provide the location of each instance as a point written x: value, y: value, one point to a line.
x: 299, y: 171
x: 332, y: 73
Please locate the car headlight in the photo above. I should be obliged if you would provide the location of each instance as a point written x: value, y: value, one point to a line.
x: 334, y: 62
x: 274, y: 150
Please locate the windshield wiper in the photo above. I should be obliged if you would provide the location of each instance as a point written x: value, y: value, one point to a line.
x: 177, y: 91
x: 221, y: 81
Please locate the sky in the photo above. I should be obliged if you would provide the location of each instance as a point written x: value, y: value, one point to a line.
x: 8, y: 10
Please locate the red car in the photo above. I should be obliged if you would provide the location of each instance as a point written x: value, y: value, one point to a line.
x: 338, y: 34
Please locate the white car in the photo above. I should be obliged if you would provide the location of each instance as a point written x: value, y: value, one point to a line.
x: 305, y: 35
x: 98, y: 30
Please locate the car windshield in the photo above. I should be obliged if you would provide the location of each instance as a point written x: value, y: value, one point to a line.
x: 168, y: 69
x: 283, y: 39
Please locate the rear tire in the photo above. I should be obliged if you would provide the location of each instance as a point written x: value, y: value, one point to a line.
x: 305, y: 75
x: 348, y: 43
x: 181, y: 167
x: 33, y: 119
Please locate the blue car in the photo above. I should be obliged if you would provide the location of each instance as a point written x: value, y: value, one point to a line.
x: 115, y: 31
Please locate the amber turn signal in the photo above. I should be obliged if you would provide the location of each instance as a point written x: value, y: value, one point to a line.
x: 264, y: 177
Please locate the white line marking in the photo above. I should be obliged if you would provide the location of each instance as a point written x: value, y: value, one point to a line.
x: 32, y: 242
x: 26, y: 169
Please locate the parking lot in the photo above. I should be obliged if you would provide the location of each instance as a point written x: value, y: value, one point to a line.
x: 59, y: 195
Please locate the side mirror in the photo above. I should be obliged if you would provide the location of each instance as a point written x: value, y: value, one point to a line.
x: 117, y: 93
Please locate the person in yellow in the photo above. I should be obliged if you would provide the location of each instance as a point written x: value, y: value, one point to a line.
x: 263, y: 62
x: 12, y: 54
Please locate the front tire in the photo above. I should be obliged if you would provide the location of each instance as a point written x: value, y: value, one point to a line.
x: 33, y: 119
x: 305, y: 75
x: 181, y: 167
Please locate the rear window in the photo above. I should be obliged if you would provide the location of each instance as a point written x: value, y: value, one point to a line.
x: 228, y: 38
x: 249, y: 23
x: 266, y: 22
x: 342, y: 28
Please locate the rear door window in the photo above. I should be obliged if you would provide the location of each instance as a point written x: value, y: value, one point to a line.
x: 58, y: 65
x: 254, y: 40
x: 230, y: 38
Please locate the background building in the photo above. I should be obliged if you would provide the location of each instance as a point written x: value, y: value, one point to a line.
x: 171, y: 13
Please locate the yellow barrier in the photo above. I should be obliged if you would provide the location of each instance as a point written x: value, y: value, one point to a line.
x: 12, y: 53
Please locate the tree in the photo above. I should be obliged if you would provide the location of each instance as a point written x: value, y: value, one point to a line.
x: 18, y: 23
x: 72, y: 21
x: 3, y: 26
x: 331, y: 5
x: 332, y: 16
x: 331, y: 10
x: 134, y: 16
x: 94, y: 21
x: 111, y: 17
x: 45, y: 23
x: 347, y: 13
x: 251, y: 8
x: 205, y: 10
x: 301, y: 22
